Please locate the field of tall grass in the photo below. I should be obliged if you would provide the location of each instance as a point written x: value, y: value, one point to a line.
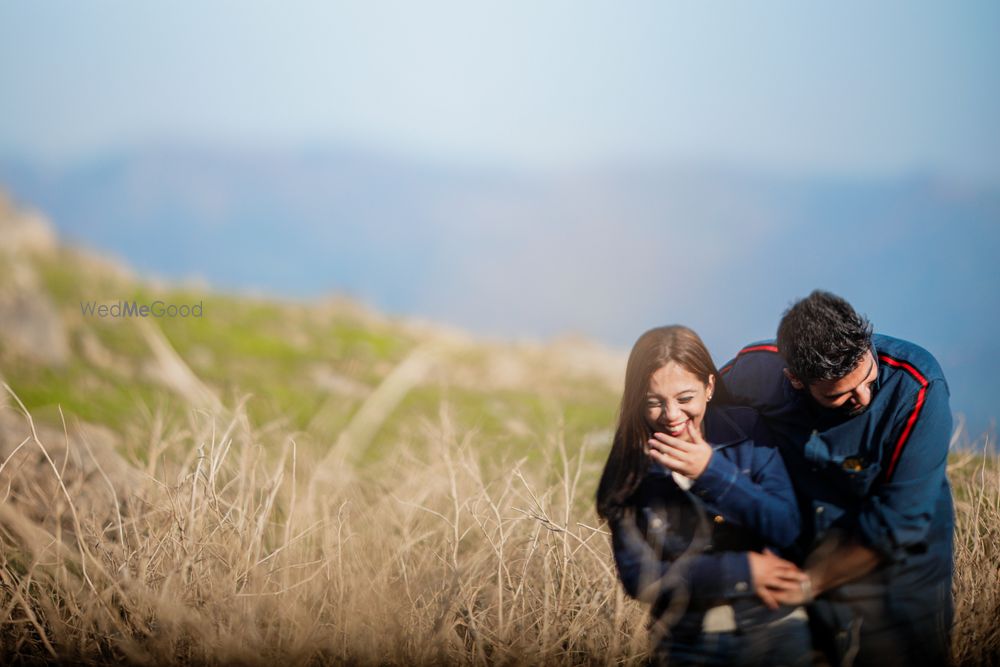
x: 218, y: 552
x: 230, y: 544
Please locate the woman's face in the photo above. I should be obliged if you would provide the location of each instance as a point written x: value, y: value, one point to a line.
x: 675, y: 397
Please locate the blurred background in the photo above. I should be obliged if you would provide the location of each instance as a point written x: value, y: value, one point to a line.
x: 532, y: 170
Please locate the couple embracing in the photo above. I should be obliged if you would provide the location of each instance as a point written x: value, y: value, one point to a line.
x: 792, y: 508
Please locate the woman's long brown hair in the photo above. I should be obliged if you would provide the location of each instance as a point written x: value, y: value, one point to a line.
x: 627, y: 462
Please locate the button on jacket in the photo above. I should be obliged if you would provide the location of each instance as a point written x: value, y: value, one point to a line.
x: 878, y: 477
x: 684, y: 550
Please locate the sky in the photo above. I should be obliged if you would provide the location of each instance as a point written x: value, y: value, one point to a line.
x: 849, y: 87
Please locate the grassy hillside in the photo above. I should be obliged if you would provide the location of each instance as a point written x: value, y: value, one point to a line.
x: 305, y: 368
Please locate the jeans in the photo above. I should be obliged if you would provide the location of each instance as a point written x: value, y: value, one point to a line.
x: 783, y: 643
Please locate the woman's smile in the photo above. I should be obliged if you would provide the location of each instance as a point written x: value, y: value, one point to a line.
x: 676, y: 429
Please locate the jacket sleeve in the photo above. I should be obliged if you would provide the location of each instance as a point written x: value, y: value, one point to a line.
x: 897, y: 516
x: 754, y: 379
x: 762, y: 501
x: 646, y: 575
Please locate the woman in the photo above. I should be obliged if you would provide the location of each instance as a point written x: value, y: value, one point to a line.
x: 691, y: 521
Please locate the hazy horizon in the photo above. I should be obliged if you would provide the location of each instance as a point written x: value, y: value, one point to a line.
x: 602, y: 253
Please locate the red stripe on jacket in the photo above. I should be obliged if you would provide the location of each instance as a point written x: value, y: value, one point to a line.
x: 905, y: 435
x: 752, y: 348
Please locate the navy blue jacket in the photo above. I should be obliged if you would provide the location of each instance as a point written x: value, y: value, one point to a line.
x: 878, y: 477
x: 685, y: 551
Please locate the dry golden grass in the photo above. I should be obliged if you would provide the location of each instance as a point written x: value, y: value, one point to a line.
x: 975, y: 482
x: 221, y: 557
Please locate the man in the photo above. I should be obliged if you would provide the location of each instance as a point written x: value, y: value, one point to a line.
x: 864, y: 425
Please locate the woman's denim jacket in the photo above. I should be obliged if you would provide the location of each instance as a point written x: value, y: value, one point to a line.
x: 685, y: 551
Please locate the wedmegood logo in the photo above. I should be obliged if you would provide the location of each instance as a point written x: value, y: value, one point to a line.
x: 122, y: 309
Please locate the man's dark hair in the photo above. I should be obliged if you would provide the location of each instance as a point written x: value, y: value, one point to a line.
x: 821, y: 337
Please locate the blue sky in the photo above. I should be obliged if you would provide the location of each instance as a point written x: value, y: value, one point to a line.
x: 848, y: 87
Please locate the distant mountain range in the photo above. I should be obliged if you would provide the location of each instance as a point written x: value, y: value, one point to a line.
x: 601, y: 252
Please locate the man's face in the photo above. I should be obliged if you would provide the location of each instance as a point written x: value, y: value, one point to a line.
x: 851, y: 394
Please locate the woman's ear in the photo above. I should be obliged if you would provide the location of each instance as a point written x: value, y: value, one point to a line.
x: 710, y: 387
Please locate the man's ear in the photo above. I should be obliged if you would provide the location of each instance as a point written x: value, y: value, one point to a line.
x: 797, y: 383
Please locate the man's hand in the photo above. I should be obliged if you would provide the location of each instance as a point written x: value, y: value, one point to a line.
x: 688, y: 458
x: 833, y: 563
x: 777, y: 581
x: 838, y: 560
